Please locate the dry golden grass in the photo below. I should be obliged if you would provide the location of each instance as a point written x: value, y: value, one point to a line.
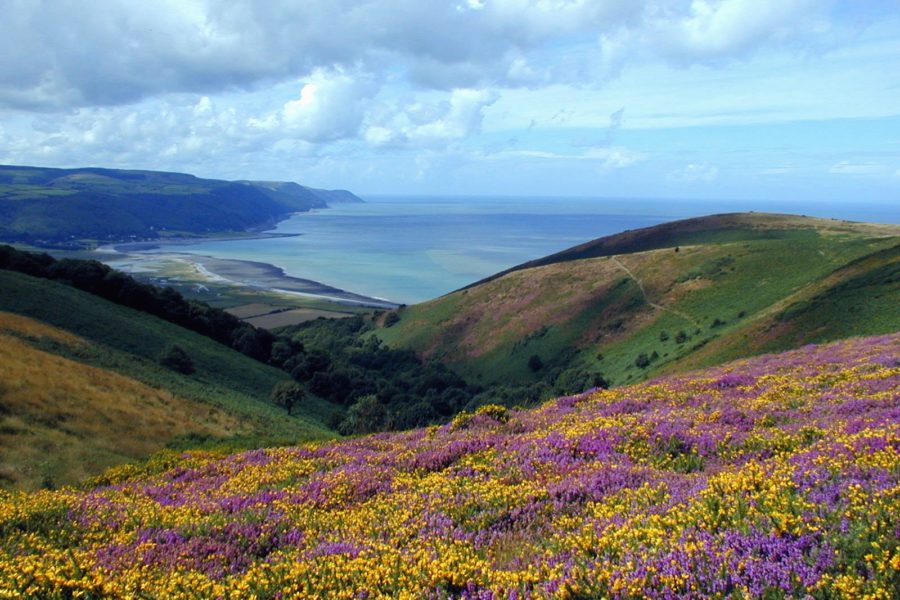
x: 61, y: 420
x: 23, y: 326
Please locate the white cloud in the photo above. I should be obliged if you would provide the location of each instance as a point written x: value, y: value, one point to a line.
x: 616, y: 158
x: 846, y: 167
x: 607, y: 159
x: 691, y: 173
x: 712, y: 30
x: 57, y: 54
x: 331, y: 106
x: 428, y: 123
x: 782, y: 170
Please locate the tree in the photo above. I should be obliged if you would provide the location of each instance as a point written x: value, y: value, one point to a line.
x: 174, y: 357
x: 391, y: 319
x: 575, y: 381
x: 535, y: 363
x: 642, y: 361
x: 366, y: 415
x: 287, y: 394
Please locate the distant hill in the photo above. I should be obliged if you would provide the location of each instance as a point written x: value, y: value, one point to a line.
x: 59, y: 206
x: 81, y: 380
x: 680, y: 295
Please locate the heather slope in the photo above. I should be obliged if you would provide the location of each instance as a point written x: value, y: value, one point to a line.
x: 772, y: 477
x: 684, y: 294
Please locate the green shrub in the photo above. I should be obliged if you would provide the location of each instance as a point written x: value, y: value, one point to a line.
x: 366, y: 415
x: 174, y: 357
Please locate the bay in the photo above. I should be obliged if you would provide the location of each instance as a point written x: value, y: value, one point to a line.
x: 412, y: 249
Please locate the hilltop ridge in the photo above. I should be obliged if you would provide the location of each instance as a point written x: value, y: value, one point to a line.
x: 718, y: 227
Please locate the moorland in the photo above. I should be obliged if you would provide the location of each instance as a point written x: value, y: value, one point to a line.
x: 703, y: 408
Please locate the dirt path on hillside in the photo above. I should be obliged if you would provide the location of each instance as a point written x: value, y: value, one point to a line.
x: 640, y: 285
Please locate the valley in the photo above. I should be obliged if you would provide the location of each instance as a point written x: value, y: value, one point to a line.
x: 612, y: 311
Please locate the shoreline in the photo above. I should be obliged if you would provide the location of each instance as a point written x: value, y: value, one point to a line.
x: 150, y: 245
x: 273, y: 278
x: 237, y: 272
x: 240, y: 273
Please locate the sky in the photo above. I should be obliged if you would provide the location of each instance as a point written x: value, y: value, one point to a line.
x: 730, y: 99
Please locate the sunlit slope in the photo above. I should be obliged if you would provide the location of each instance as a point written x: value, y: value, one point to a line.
x: 129, y: 342
x: 693, y: 292
x: 61, y: 420
x: 775, y: 477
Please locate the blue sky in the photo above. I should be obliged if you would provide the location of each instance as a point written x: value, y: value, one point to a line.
x: 732, y: 99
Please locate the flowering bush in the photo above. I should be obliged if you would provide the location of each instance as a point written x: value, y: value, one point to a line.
x: 772, y: 477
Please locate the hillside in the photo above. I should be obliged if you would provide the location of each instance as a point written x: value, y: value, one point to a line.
x: 680, y: 295
x: 123, y: 345
x: 61, y: 206
x: 62, y: 420
x: 776, y: 477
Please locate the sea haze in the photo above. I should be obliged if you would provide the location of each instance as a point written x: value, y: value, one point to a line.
x: 411, y: 249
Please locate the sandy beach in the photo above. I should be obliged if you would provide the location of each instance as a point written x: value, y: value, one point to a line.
x: 153, y: 259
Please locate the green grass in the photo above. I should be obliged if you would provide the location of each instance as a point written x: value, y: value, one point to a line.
x: 128, y: 342
x: 756, y: 276
x: 725, y: 289
x: 864, y: 303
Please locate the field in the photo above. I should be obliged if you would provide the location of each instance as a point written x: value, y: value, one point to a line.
x: 773, y: 477
x: 684, y: 295
x: 271, y: 316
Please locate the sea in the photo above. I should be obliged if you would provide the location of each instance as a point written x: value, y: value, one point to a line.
x: 412, y: 249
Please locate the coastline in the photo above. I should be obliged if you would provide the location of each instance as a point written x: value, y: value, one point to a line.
x: 147, y: 246
x: 273, y: 278
x: 202, y: 269
x: 137, y: 255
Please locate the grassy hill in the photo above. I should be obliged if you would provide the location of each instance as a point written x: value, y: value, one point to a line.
x: 62, y: 420
x: 662, y: 299
x: 56, y: 206
x: 775, y: 477
x: 124, y: 345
